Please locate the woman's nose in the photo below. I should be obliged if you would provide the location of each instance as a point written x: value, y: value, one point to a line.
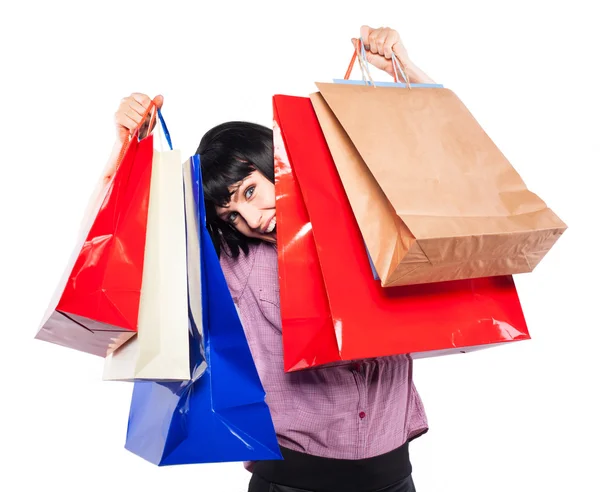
x: 253, y: 218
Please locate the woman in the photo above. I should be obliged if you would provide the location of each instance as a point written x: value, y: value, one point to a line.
x: 341, y: 428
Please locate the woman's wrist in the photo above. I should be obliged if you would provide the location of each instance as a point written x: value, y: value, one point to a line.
x: 416, y: 75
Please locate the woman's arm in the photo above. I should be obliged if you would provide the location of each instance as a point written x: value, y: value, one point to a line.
x: 415, y: 74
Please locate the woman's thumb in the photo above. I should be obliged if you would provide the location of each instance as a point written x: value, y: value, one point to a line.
x: 159, y: 100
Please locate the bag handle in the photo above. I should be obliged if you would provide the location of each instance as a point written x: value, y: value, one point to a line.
x: 165, y: 129
x: 364, y: 67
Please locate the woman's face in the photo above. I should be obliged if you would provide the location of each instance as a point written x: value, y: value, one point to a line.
x: 252, y: 208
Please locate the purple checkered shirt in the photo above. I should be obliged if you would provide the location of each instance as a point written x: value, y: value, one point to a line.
x: 349, y: 411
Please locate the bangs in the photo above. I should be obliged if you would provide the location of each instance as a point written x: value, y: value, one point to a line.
x: 218, y: 180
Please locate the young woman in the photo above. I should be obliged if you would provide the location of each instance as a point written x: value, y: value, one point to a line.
x: 341, y: 428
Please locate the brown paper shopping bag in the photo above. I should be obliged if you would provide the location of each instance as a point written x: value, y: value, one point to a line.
x: 434, y: 197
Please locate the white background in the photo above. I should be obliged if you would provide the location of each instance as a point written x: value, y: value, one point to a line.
x: 519, y: 418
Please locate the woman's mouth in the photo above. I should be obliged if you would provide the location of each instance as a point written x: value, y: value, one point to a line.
x: 271, y: 227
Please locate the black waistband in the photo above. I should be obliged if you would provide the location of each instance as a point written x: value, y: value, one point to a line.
x: 309, y: 472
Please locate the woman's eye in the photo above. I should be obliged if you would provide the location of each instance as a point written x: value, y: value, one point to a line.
x: 232, y: 217
x: 249, y: 192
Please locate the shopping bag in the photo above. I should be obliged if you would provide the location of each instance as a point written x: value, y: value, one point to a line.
x: 434, y: 197
x: 95, y: 306
x: 220, y: 414
x: 363, y: 319
x: 307, y: 326
x: 160, y: 350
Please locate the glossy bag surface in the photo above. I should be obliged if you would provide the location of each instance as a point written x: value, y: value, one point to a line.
x: 95, y: 307
x: 345, y: 314
x: 220, y: 414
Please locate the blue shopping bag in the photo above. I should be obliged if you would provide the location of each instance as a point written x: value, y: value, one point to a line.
x: 220, y: 414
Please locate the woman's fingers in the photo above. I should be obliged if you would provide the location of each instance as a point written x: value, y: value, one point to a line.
x: 135, y: 107
x: 126, y: 121
x: 142, y: 99
x: 365, y: 32
x: 381, y: 45
x: 377, y: 40
x: 388, y: 44
x: 132, y: 109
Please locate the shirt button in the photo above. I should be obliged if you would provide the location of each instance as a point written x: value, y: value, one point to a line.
x: 362, y: 415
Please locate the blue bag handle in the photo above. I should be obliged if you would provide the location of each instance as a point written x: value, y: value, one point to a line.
x: 165, y: 129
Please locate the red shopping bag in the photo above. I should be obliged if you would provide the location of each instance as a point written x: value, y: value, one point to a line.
x: 349, y: 315
x: 308, y: 336
x: 95, y: 307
